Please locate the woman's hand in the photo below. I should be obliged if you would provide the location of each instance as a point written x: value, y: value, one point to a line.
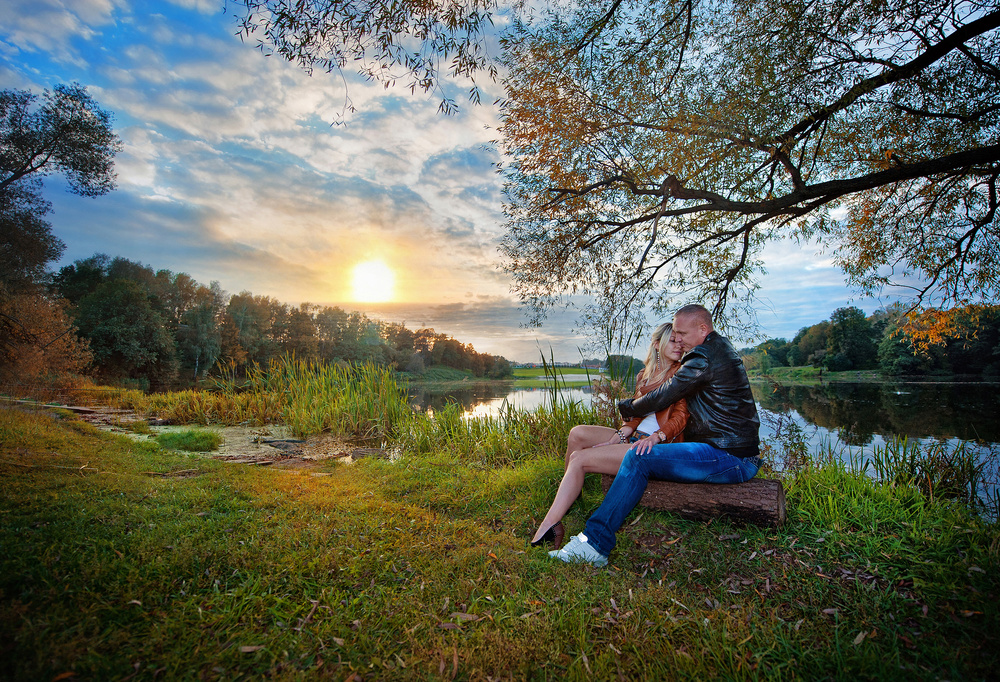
x: 618, y: 437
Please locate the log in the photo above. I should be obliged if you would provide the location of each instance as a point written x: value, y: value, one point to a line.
x: 759, y: 501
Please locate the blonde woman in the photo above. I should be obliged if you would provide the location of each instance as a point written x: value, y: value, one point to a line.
x: 600, y: 449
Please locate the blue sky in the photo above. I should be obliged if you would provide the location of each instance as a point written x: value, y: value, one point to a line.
x: 233, y: 170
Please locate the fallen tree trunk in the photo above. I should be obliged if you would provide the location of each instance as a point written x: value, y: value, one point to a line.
x: 759, y: 501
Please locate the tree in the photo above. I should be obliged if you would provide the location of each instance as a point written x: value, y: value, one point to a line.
x: 127, y: 335
x: 850, y: 341
x: 37, y: 337
x: 27, y: 244
x: 658, y: 148
x: 69, y: 133
x: 421, y: 42
x: 809, y: 345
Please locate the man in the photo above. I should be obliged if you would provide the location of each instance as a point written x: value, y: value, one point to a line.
x: 721, y: 445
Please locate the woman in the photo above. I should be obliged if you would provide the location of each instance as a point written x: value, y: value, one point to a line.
x: 599, y: 449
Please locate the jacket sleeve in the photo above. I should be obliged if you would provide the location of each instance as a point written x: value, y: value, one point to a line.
x: 673, y: 421
x: 686, y: 382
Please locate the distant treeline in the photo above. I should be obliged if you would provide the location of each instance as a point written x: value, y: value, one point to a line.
x: 163, y: 328
x: 961, y: 341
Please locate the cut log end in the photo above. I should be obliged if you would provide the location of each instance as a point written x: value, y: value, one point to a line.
x: 758, y: 501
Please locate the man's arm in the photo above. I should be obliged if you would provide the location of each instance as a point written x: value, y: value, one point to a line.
x: 685, y: 383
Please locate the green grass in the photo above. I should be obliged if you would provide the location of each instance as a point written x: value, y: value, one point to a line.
x: 809, y: 374
x: 124, y: 560
x: 539, y: 377
x: 191, y: 440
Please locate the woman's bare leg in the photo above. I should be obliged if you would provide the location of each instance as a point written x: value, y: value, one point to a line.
x: 601, y: 460
x: 586, y: 436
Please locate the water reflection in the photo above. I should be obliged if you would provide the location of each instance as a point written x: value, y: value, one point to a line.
x: 842, y: 414
x: 488, y: 398
x: 858, y: 413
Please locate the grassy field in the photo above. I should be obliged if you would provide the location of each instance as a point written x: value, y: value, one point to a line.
x: 127, y: 561
x: 537, y: 377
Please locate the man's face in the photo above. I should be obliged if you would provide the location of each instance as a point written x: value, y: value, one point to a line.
x: 688, y: 332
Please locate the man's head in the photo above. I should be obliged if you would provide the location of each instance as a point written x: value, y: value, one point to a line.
x: 692, y: 324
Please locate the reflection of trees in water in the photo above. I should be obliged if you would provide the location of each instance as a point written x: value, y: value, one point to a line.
x: 858, y: 411
x: 423, y: 398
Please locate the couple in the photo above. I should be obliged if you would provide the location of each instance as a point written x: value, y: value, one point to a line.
x: 707, y: 433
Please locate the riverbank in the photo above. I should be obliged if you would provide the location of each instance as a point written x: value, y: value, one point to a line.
x: 817, y: 375
x: 136, y: 561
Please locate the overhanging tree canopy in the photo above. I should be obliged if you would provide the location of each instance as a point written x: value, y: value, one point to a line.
x: 656, y: 148
x: 419, y: 42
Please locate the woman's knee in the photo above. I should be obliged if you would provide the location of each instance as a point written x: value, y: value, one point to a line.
x: 576, y: 459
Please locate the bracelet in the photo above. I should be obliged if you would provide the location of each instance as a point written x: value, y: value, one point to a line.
x: 622, y: 438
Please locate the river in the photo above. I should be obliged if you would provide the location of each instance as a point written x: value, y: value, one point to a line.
x: 856, y: 416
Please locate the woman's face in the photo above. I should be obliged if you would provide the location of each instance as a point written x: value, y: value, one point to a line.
x: 670, y: 349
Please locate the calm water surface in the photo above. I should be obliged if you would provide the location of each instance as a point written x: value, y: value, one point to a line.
x: 856, y: 415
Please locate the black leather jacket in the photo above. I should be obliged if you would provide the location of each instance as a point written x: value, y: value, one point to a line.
x: 721, y: 406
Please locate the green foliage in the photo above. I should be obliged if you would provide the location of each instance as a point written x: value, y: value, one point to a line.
x: 190, y: 440
x: 850, y: 341
x: 27, y: 244
x: 127, y: 335
x: 68, y: 134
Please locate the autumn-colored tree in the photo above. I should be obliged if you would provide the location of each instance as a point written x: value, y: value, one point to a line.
x: 37, y: 337
x: 656, y: 148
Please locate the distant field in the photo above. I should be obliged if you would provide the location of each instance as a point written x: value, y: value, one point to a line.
x: 531, y: 377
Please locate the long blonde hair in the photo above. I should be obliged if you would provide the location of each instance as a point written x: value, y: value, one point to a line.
x: 655, y: 366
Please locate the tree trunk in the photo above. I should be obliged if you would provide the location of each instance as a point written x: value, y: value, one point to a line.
x: 758, y: 501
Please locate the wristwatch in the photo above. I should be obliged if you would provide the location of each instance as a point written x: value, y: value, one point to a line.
x: 662, y: 436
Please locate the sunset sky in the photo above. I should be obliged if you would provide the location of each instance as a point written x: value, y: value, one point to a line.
x: 233, y: 170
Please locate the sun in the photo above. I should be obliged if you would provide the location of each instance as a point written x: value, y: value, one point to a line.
x: 373, y: 282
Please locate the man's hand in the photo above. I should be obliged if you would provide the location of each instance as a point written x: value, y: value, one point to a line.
x: 625, y: 409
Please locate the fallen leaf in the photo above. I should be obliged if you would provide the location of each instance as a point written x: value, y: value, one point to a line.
x: 491, y: 554
x: 969, y: 614
x: 464, y: 616
x: 136, y: 602
x: 670, y: 542
x: 338, y: 641
x: 830, y: 612
x: 631, y: 524
x: 449, y: 626
x: 860, y: 638
x: 251, y: 649
x: 64, y: 676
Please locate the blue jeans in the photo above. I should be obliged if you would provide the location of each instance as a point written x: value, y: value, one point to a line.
x: 680, y: 462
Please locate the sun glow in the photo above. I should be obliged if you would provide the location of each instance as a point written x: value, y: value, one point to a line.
x: 373, y: 282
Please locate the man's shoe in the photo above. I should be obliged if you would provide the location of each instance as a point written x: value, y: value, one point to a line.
x: 578, y: 550
x: 573, y: 542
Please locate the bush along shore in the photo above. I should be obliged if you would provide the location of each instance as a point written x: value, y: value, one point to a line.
x: 129, y: 560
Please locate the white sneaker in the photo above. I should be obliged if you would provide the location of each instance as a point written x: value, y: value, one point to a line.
x: 573, y: 541
x: 578, y: 550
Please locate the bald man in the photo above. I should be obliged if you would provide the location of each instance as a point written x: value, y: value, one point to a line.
x: 721, y: 445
